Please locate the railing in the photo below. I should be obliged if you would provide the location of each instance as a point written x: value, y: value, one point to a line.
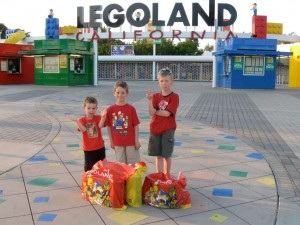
x: 140, y: 68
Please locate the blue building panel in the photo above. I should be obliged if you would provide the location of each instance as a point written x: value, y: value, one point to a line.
x: 247, y: 63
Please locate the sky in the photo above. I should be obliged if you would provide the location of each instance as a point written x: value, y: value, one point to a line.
x: 30, y: 15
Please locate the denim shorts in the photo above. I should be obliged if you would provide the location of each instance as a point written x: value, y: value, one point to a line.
x: 161, y: 145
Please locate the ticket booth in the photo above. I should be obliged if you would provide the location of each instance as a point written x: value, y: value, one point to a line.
x: 62, y: 62
x: 16, y: 68
x: 247, y: 63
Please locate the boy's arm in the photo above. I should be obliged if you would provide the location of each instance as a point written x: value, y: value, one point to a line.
x: 103, y: 118
x: 79, y: 125
x: 137, y: 137
x: 151, y: 109
x: 110, y: 137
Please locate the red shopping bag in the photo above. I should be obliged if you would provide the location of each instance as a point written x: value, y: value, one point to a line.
x: 164, y: 191
x: 104, y: 184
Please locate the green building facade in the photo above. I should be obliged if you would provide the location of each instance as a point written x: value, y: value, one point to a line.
x: 62, y: 62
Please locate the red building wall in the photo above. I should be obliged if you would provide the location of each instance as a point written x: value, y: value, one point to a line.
x: 9, y: 52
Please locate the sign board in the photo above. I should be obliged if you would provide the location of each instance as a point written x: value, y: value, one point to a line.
x: 122, y: 50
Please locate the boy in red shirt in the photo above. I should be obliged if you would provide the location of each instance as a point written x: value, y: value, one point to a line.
x: 90, y: 125
x: 122, y: 124
x: 162, y: 107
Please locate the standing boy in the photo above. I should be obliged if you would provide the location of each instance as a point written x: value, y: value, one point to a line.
x: 162, y: 107
x: 123, y: 126
x: 90, y: 125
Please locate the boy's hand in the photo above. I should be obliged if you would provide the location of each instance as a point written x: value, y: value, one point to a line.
x: 73, y: 118
x: 149, y: 95
x: 104, y: 112
x: 137, y: 145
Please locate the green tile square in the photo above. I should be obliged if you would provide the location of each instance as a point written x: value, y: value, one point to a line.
x: 144, y: 133
x: 73, y: 145
x: 197, y: 128
x: 235, y: 173
x: 71, y: 162
x: 226, y: 147
x: 42, y: 181
x: 2, y: 200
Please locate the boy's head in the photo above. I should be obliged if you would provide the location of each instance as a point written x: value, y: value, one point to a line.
x: 90, y: 100
x: 122, y: 84
x: 165, y: 72
x: 121, y: 92
x: 165, y: 80
x: 90, y: 106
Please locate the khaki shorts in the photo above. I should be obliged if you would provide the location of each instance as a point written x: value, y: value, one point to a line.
x: 127, y: 154
x: 161, y: 145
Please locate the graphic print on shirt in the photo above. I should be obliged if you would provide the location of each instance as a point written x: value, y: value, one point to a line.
x: 163, y: 104
x: 120, y: 123
x: 92, y: 130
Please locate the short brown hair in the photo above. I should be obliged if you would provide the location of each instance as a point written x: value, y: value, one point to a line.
x: 122, y: 84
x: 90, y: 100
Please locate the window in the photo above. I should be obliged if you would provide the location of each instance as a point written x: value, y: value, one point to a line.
x: 254, y: 66
x: 227, y: 65
x: 51, y: 64
x: 78, y: 65
x: 14, y: 65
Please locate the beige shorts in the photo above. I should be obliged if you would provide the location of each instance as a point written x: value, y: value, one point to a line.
x: 128, y: 154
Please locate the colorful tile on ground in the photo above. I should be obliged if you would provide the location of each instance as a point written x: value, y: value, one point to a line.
x: 226, y: 147
x: 47, y: 217
x: 235, y: 173
x: 38, y: 158
x: 222, y: 192
x: 42, y: 181
x: 255, y: 156
x: 219, y: 218
x: 41, y: 199
x: 127, y: 217
x: 267, y: 181
x: 73, y: 145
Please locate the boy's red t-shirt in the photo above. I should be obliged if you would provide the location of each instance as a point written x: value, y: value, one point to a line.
x: 122, y: 120
x: 92, y: 138
x: 162, y: 124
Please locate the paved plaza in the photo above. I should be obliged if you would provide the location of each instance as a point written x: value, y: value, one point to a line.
x: 239, y: 150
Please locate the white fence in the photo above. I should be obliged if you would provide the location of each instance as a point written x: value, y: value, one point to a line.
x: 187, y: 68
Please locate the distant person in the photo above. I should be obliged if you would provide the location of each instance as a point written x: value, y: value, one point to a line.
x: 90, y: 125
x: 138, y: 16
x: 51, y: 14
x: 162, y: 107
x: 254, y: 8
x: 122, y: 124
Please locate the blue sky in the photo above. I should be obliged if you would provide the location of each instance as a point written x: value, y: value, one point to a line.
x: 30, y: 15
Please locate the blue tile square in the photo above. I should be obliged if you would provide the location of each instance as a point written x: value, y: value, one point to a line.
x: 255, y: 156
x: 210, y: 140
x: 47, y: 217
x: 1, y: 192
x: 222, y: 192
x: 41, y: 199
x: 177, y: 143
x: 230, y: 137
x: 38, y: 158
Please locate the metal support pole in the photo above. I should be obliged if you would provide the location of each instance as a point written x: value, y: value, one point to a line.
x: 95, y: 59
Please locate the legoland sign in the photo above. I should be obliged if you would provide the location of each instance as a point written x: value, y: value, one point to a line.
x: 118, y: 14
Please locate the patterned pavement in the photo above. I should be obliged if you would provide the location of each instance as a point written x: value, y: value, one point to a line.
x: 239, y: 150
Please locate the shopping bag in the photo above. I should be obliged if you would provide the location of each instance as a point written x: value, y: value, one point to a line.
x: 164, y: 191
x: 104, y: 184
x: 133, y: 187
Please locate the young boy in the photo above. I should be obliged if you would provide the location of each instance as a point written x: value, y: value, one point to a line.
x: 123, y: 126
x: 90, y: 125
x: 162, y: 107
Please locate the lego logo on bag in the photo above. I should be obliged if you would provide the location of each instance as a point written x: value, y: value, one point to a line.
x: 162, y: 182
x: 104, y: 173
